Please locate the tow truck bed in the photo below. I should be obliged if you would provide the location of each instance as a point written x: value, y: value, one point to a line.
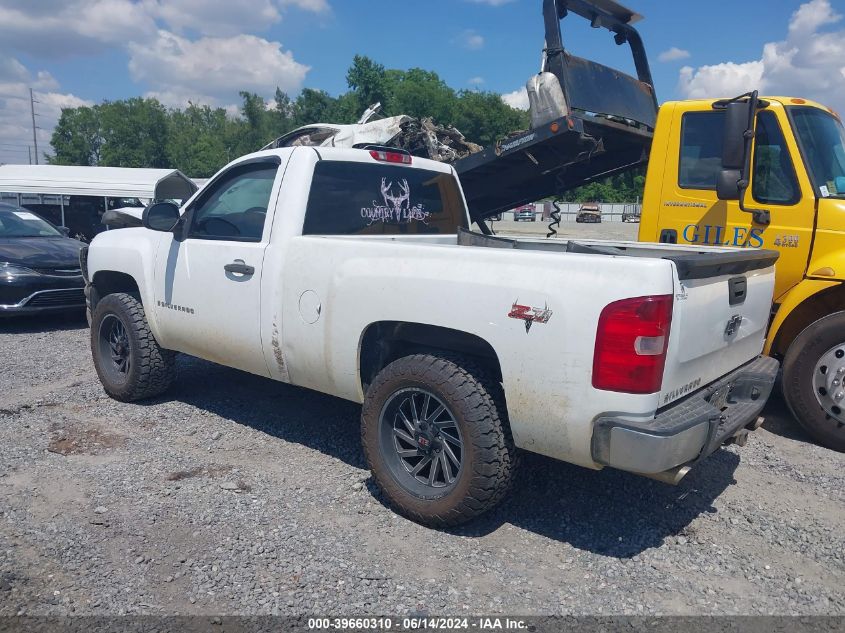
x: 563, y: 154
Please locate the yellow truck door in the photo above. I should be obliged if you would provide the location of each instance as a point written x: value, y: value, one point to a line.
x: 688, y: 210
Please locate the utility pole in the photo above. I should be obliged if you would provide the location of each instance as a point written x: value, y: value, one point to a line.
x: 34, y: 135
x: 29, y: 151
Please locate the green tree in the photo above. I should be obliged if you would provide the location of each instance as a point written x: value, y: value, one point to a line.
x: 281, y: 117
x: 140, y: 132
x: 624, y: 187
x: 312, y: 106
x: 484, y: 118
x: 134, y: 133
x: 196, y: 143
x: 77, y: 137
x: 368, y: 82
x: 420, y: 93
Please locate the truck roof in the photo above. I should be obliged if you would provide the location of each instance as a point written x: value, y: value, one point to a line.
x: 348, y: 154
x: 784, y: 101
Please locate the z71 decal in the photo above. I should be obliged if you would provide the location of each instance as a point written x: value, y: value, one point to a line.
x: 530, y: 315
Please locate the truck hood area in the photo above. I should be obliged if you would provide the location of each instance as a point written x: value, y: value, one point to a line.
x: 41, y: 252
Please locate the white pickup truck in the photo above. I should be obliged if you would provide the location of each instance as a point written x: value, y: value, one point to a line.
x: 352, y: 272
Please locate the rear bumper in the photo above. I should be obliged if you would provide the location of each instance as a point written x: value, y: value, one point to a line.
x: 687, y: 431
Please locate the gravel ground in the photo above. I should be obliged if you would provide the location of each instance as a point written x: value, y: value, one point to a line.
x: 238, y: 495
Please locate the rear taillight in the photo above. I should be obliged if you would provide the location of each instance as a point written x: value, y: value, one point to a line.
x: 387, y: 156
x: 631, y: 344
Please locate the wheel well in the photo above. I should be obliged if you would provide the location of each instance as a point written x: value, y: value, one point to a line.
x: 107, y: 282
x: 386, y: 341
x: 812, y: 309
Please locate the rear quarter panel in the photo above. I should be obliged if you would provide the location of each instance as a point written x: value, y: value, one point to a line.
x: 546, y: 370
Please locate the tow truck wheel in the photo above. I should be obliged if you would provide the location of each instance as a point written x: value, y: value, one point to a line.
x: 814, y: 380
x: 129, y: 361
x: 436, y: 438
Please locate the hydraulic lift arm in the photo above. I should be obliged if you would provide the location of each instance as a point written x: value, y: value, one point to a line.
x: 607, y: 128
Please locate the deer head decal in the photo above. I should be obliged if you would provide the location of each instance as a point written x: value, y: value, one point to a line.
x: 397, y: 202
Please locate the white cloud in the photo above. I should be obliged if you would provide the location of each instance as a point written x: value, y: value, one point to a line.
x: 58, y: 28
x: 517, y: 99
x: 475, y: 81
x: 182, y: 50
x: 721, y: 80
x: 212, y: 69
x: 212, y: 17
x: 472, y: 40
x: 673, y: 54
x: 15, y: 117
x: 53, y: 28
x: 315, y: 6
x: 809, y: 63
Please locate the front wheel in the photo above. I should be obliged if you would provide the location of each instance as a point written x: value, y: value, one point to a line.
x: 814, y: 380
x: 436, y: 438
x: 129, y: 361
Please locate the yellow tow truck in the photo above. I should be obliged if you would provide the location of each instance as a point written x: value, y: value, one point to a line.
x: 751, y: 172
x: 766, y: 173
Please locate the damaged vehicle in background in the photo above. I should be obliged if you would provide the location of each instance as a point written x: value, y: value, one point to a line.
x: 419, y: 137
x: 589, y: 212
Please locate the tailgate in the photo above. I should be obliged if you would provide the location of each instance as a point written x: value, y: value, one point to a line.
x: 721, y: 312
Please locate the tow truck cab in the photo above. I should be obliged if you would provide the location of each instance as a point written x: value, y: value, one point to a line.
x: 766, y: 173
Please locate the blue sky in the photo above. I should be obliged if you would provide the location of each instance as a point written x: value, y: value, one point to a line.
x: 75, y: 52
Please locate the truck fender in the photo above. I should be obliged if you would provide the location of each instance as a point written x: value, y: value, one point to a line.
x: 803, y: 304
x: 828, y: 267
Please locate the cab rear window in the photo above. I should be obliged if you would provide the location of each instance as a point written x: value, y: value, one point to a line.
x: 366, y: 199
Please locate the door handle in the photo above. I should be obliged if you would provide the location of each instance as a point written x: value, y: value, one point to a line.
x: 240, y: 268
x: 668, y: 236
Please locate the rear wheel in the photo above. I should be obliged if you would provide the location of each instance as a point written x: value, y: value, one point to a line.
x: 435, y: 435
x: 814, y: 380
x: 129, y: 361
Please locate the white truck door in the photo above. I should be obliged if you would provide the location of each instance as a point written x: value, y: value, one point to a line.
x: 208, y: 285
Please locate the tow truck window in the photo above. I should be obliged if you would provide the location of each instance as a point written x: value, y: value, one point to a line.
x: 774, y: 179
x: 701, y: 149
x: 378, y: 199
x: 822, y: 141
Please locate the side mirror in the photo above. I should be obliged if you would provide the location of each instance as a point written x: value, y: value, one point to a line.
x: 733, y: 178
x: 727, y: 187
x: 735, y: 150
x: 64, y: 230
x: 161, y: 216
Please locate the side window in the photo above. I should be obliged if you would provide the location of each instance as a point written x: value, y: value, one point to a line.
x: 701, y: 149
x: 774, y: 179
x: 235, y: 207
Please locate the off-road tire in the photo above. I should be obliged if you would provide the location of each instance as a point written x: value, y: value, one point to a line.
x: 798, y: 368
x: 477, y: 403
x: 152, y: 368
